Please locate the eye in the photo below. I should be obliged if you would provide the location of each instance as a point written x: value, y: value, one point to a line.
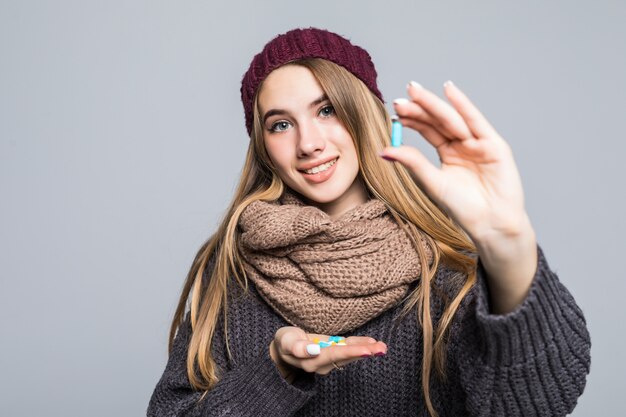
x: 327, y: 111
x: 280, y: 126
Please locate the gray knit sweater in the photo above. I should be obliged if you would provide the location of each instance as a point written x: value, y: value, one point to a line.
x: 531, y: 362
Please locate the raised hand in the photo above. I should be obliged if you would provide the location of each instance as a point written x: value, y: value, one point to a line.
x: 478, y: 184
x: 289, y: 351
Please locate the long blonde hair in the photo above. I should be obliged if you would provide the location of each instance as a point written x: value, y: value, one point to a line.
x: 367, y: 121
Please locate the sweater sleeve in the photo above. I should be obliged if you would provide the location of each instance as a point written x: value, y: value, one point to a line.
x: 530, y: 362
x: 255, y: 388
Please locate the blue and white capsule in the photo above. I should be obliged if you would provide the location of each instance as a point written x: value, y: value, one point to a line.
x: 396, y: 131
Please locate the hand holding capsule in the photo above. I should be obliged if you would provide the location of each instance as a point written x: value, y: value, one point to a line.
x: 478, y: 184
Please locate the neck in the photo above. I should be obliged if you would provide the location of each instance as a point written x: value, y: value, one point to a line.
x: 355, y: 195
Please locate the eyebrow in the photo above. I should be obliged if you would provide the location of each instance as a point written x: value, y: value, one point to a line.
x: 274, y: 112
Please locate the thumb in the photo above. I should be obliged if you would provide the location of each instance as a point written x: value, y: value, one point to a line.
x: 420, y: 168
x: 305, y: 349
x: 295, y: 342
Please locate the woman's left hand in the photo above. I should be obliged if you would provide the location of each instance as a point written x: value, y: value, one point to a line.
x: 478, y: 183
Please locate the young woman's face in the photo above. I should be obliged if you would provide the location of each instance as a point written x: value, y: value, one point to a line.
x: 310, y: 148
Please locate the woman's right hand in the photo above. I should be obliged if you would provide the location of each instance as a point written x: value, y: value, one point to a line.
x: 289, y: 352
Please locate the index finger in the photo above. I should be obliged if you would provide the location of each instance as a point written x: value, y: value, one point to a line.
x: 350, y: 340
x: 355, y: 347
x: 360, y: 340
x: 440, y: 111
x: 351, y: 352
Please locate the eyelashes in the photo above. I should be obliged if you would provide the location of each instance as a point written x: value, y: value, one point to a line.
x: 275, y: 126
x: 328, y: 107
x: 283, y: 125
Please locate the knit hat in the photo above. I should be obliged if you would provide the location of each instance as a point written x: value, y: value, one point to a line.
x: 305, y: 43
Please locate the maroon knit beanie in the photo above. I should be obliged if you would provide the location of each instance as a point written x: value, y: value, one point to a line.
x: 305, y: 43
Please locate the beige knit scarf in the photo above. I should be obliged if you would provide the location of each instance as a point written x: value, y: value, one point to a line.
x: 327, y: 276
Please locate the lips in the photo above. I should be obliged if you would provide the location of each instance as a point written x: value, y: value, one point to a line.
x: 314, y: 164
x: 320, y: 177
x: 321, y: 168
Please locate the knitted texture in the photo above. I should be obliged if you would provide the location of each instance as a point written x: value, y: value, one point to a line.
x: 306, y: 43
x: 327, y: 276
x: 531, y: 362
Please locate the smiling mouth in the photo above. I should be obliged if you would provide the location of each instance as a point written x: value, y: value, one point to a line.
x: 320, y: 168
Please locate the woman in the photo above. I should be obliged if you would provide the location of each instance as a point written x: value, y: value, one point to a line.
x: 432, y: 274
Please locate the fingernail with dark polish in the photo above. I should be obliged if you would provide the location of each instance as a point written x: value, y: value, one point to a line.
x: 380, y: 353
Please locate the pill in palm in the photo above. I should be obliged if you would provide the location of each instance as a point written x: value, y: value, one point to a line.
x: 332, y: 340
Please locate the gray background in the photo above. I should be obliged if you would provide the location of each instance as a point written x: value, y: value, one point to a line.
x: 122, y: 136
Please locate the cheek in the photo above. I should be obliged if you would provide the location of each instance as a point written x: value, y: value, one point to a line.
x: 353, y: 158
x: 279, y: 155
x: 348, y: 147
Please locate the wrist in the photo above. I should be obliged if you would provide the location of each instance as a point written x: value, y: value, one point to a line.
x: 505, y: 242
x: 510, y: 261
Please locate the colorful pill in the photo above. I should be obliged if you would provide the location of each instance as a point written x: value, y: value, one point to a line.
x: 332, y: 340
x: 396, y: 131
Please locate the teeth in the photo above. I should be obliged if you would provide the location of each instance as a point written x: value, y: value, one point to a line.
x: 321, y: 168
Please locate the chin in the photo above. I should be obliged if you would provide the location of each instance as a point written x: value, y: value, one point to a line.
x: 323, y: 197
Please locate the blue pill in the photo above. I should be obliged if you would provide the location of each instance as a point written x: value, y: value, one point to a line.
x: 396, y: 131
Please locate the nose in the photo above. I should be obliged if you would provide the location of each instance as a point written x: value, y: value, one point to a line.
x: 311, y: 140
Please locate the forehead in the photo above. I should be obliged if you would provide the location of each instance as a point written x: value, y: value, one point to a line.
x: 290, y: 86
